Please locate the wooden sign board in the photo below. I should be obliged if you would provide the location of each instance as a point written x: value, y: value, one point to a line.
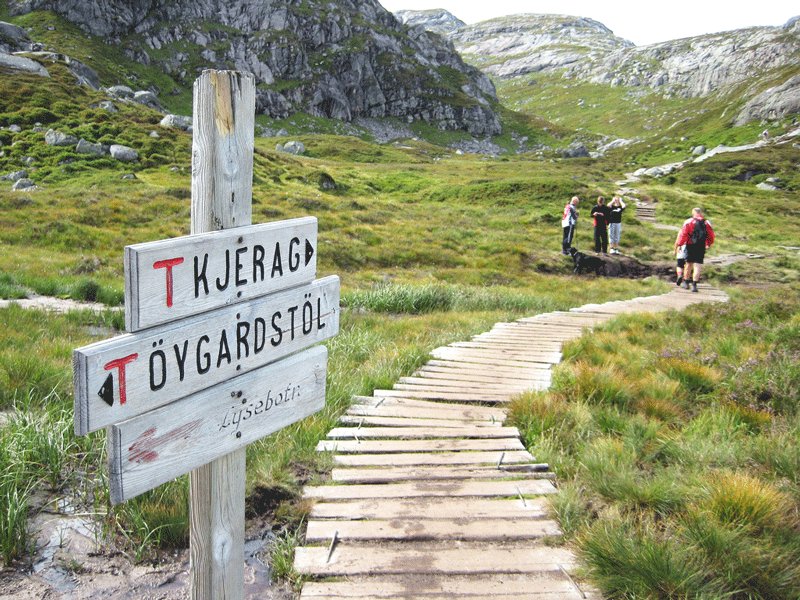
x: 153, y: 448
x: 131, y: 374
x: 171, y: 279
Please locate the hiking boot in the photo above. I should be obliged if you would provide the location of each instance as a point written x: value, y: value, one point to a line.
x: 694, y: 286
x: 680, y: 280
x: 685, y: 284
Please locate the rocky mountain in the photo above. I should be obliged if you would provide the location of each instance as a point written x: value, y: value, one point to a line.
x: 762, y: 59
x: 343, y: 60
x: 436, y: 20
x: 522, y: 44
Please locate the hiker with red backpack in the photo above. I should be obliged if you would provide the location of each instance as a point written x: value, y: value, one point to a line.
x: 698, y: 235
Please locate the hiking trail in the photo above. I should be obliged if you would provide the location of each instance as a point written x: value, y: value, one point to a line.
x: 432, y: 495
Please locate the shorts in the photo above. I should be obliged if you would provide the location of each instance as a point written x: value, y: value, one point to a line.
x: 695, y: 254
x: 614, y: 231
x: 681, y: 263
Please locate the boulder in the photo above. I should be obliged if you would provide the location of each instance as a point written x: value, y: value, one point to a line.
x: 325, y: 182
x: 56, y: 138
x: 124, y: 153
x: 85, y: 147
x: 698, y: 150
x: 20, y: 64
x: 108, y: 106
x: 123, y: 92
x: 575, y: 150
x: 767, y: 187
x: 129, y: 177
x: 23, y: 185
x: 149, y: 99
x: 176, y: 122
x: 14, y: 128
x: 291, y: 147
x: 15, y: 176
x: 12, y: 38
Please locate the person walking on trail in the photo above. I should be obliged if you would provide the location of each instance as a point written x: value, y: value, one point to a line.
x: 615, y: 223
x: 600, y: 217
x: 698, y: 235
x: 568, y: 223
x: 680, y: 257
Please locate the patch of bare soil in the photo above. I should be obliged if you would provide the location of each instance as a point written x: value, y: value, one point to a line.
x: 72, y: 562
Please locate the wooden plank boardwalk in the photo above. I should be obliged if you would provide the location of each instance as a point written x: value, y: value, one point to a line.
x: 432, y: 495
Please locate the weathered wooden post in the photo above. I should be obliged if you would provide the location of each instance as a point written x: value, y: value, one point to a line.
x: 222, y: 192
x: 220, y: 345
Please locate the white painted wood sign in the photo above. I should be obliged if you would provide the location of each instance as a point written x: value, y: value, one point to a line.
x: 170, y: 279
x: 153, y: 448
x: 130, y: 374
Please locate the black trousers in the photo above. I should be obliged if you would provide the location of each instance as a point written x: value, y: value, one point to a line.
x: 600, y: 238
x: 566, y: 241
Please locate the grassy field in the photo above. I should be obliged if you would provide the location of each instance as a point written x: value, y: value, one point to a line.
x: 675, y: 439
x: 653, y: 425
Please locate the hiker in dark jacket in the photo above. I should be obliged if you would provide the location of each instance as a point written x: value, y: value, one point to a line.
x: 698, y: 235
x: 615, y: 223
x: 568, y: 223
x: 600, y: 216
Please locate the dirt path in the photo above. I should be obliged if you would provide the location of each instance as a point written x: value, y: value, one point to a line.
x: 432, y: 495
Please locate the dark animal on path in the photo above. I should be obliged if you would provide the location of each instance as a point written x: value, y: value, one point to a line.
x: 584, y: 262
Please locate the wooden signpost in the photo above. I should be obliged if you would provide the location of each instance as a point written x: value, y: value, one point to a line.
x: 215, y: 358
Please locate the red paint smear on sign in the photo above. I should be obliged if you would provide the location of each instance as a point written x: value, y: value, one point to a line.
x: 145, y: 448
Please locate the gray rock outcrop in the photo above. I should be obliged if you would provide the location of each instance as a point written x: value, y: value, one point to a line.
x: 291, y: 147
x: 436, y: 20
x: 13, y: 38
x: 23, y: 185
x: 85, y: 147
x: 124, y: 153
x: 773, y: 103
x: 57, y: 138
x: 343, y: 60
x: 176, y: 122
x: 20, y: 64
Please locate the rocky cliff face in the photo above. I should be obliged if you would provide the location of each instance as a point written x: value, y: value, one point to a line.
x: 437, y: 20
x: 578, y: 48
x: 698, y: 66
x: 342, y: 60
x: 522, y: 44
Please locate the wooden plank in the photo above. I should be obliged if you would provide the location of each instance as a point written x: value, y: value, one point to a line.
x: 468, y: 377
x: 493, y: 361
x: 395, y: 446
x: 501, y: 369
x: 424, y: 529
x: 544, y: 586
x: 170, y: 279
x: 408, y: 433
x: 497, y: 356
x: 506, y: 344
x: 131, y: 374
x: 448, y: 488
x: 452, y: 369
x: 412, y: 422
x: 395, y: 474
x: 153, y: 448
x: 504, y: 457
x: 457, y: 382
x: 402, y: 411
x: 222, y: 174
x: 433, y: 508
x: 467, y: 411
x: 348, y: 559
x: 455, y: 387
x: 434, y: 395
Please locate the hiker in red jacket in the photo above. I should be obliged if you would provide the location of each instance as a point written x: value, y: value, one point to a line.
x: 698, y: 235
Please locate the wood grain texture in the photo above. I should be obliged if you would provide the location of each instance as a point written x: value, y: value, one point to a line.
x: 170, y: 279
x: 222, y: 192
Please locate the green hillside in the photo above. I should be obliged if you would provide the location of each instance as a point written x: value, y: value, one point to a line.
x: 432, y: 246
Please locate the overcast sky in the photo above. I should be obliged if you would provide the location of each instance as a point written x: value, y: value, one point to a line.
x: 637, y: 21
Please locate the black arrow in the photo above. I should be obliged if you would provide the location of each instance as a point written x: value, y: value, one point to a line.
x: 309, y: 251
x: 106, y: 391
